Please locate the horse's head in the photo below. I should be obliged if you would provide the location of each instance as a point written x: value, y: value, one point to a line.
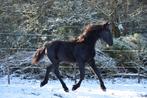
x: 93, y: 32
x: 106, y: 34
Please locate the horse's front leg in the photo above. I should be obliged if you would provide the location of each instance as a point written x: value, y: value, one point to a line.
x: 96, y: 71
x: 48, y: 70
x: 82, y: 74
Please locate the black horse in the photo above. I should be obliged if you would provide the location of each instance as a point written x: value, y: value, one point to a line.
x: 81, y: 50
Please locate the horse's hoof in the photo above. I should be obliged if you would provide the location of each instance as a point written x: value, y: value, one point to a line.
x: 42, y: 84
x: 103, y: 88
x: 75, y: 87
x: 66, y: 90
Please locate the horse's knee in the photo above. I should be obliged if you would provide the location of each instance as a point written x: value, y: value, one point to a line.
x: 56, y: 72
x: 49, y: 68
x: 82, y: 77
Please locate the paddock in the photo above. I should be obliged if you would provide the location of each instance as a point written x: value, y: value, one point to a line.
x: 116, y: 88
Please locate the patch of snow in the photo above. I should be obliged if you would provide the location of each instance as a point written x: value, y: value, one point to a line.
x: 120, y: 26
x: 116, y: 88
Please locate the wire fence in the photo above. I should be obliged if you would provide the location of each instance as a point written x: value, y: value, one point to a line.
x: 139, y: 74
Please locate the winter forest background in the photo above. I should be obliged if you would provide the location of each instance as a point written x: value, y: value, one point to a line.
x: 26, y: 24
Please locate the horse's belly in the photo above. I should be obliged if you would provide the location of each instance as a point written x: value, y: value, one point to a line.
x: 66, y: 57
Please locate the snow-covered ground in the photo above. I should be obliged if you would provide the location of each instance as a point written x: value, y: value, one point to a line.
x: 116, y: 88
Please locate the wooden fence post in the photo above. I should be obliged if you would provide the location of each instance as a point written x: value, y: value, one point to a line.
x: 8, y: 74
x: 139, y: 75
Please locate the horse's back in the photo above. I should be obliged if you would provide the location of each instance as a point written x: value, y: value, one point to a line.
x: 61, y: 51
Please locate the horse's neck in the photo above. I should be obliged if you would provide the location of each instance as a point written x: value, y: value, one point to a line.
x: 91, y: 42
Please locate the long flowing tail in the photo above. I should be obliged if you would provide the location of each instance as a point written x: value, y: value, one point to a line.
x: 38, y: 55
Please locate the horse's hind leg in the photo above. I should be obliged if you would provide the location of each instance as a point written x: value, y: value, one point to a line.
x: 82, y: 74
x: 48, y: 70
x: 57, y: 73
x: 96, y: 71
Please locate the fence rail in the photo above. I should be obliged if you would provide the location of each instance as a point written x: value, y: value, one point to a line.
x: 30, y: 49
x: 40, y: 35
x: 111, y: 50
